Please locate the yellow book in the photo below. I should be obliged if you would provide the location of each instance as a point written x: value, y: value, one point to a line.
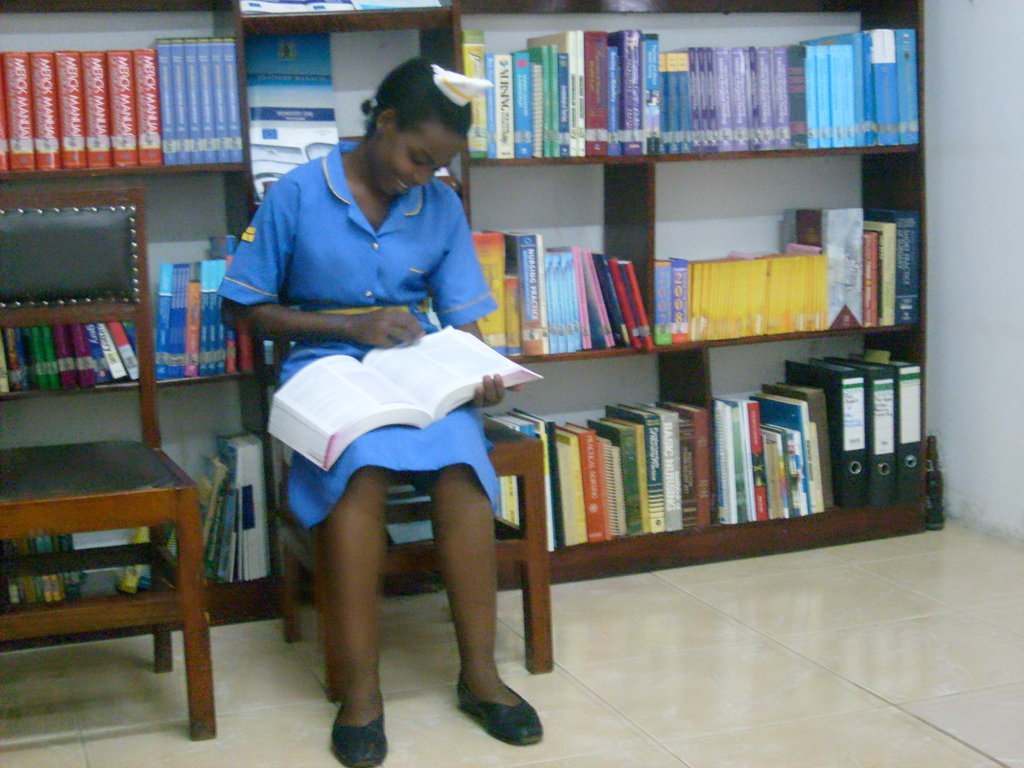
x: 570, y: 484
x: 513, y: 326
x: 473, y: 66
x: 490, y: 252
x: 695, y: 301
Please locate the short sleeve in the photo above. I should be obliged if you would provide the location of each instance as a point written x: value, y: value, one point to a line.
x: 259, y: 267
x: 458, y: 285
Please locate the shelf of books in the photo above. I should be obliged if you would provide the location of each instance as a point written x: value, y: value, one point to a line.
x: 827, y: 453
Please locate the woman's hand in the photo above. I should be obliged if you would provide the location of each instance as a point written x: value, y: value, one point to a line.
x: 387, y: 327
x: 490, y: 392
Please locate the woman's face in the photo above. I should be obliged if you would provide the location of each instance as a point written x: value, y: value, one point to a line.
x: 407, y: 158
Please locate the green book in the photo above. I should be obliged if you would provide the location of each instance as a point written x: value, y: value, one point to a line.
x: 651, y: 424
x: 624, y: 436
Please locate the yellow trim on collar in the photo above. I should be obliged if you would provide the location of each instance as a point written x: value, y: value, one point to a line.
x: 327, y: 178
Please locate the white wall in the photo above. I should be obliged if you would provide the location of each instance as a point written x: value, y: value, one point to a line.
x: 974, y: 129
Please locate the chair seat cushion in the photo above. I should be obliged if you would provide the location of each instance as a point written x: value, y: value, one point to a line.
x: 51, y: 471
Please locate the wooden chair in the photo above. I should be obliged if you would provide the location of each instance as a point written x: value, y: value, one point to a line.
x: 520, y: 551
x: 76, y: 257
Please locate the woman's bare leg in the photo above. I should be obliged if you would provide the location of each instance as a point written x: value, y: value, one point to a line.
x: 464, y: 534
x: 354, y: 542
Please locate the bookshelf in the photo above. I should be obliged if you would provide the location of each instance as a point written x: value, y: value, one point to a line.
x: 634, y: 208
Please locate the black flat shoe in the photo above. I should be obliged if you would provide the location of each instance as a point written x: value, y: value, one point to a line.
x: 360, y: 746
x: 516, y: 724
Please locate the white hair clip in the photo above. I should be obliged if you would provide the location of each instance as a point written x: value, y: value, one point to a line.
x: 459, y: 88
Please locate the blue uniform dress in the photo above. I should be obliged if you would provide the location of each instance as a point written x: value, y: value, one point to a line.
x: 311, y: 247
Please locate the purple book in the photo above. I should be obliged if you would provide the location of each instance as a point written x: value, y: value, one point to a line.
x: 780, y: 97
x: 630, y: 90
x: 739, y: 81
x: 763, y: 133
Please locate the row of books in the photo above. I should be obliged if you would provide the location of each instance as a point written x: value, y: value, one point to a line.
x: 27, y: 589
x: 67, y: 356
x: 873, y: 256
x: 330, y: 6
x: 638, y: 469
x: 838, y: 432
x: 739, y: 295
x: 174, y: 104
x: 234, y: 511
x: 590, y: 93
x: 192, y: 338
x: 554, y: 300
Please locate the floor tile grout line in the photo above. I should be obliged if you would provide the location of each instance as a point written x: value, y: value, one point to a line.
x: 887, y: 702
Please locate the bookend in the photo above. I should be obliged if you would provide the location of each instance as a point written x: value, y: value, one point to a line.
x: 522, y: 552
x: 80, y: 257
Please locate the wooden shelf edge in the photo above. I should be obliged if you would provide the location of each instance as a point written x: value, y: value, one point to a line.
x: 124, y: 386
x: 727, y: 542
x: 137, y: 170
x: 695, y: 157
x: 347, y: 21
x: 590, y: 354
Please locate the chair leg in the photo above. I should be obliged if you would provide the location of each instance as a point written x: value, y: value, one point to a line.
x: 290, y: 570
x: 196, y: 629
x: 535, y: 573
x: 162, y: 657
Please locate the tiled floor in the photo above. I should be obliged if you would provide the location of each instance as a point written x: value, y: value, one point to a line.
x: 903, y: 652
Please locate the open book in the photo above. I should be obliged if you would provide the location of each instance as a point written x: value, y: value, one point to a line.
x: 335, y: 399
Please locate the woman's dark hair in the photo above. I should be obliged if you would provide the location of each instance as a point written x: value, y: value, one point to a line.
x: 410, y: 90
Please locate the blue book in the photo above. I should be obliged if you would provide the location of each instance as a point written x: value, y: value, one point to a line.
x: 194, y: 100
x: 811, y: 80
x: 886, y: 88
x: 908, y: 260
x: 823, y: 101
x: 906, y: 80
x: 571, y: 290
x: 207, y: 128
x: 651, y: 93
x: 680, y: 287
x: 668, y: 126
x: 863, y: 104
x: 840, y: 67
x: 163, y: 320
x: 522, y: 104
x: 777, y: 412
x: 662, y: 329
x: 179, y: 301
x: 611, y: 300
x: 491, y: 105
x: 614, y: 75
x: 92, y: 336
x: 220, y: 102
x: 233, y: 139
x: 186, y: 143
x: 631, y: 127
x: 209, y: 316
x: 556, y: 322
x: 168, y: 96
x: 563, y: 105
x: 684, y: 82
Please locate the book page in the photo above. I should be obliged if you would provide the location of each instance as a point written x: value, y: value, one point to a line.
x: 333, y: 400
x: 442, y: 370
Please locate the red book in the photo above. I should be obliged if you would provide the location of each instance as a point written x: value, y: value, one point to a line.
x: 595, y: 493
x: 625, y: 305
x: 65, y: 357
x: 595, y: 97
x: 84, y: 363
x: 5, y: 163
x: 71, y: 107
x: 45, y: 120
x: 97, y: 109
x: 18, y: 92
x: 760, y: 479
x: 121, y: 92
x: 639, y: 311
x: 147, y: 107
x: 192, y: 319
x: 124, y: 348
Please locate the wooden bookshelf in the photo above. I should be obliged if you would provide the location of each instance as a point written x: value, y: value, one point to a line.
x: 891, y: 177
